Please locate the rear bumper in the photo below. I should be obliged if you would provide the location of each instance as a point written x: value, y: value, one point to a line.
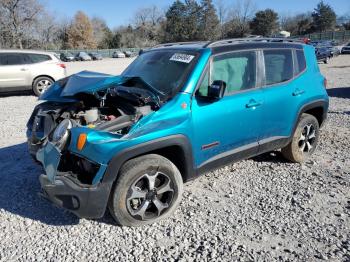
x: 84, y: 202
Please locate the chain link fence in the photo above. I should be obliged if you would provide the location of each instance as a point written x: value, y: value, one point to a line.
x: 339, y: 36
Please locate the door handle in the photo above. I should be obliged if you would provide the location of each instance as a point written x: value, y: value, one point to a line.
x: 298, y: 92
x: 252, y: 104
x: 24, y: 69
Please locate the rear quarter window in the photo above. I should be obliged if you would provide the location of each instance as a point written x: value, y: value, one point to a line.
x: 278, y: 66
x: 38, y: 58
x: 301, y: 62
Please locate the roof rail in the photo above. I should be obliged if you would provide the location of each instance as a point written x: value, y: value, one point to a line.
x: 179, y: 43
x: 253, y: 39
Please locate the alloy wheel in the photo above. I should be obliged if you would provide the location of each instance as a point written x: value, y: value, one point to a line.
x: 150, y: 196
x: 307, y: 138
x: 43, y: 85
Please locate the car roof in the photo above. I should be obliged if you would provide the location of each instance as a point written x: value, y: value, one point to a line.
x: 26, y: 51
x: 233, y: 44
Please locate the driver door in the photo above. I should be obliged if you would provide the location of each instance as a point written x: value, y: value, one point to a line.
x: 228, y: 129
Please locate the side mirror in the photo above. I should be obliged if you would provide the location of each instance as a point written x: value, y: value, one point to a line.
x: 216, y: 90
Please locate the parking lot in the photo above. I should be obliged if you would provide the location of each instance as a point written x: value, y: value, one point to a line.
x: 107, y: 65
x: 260, y: 209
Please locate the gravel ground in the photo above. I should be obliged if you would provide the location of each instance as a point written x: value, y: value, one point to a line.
x: 260, y: 209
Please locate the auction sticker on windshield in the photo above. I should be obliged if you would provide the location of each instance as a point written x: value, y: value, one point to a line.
x: 183, y: 58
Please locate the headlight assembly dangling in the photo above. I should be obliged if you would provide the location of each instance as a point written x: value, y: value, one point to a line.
x: 61, y: 133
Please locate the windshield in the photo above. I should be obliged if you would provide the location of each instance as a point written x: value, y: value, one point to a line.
x: 164, y: 70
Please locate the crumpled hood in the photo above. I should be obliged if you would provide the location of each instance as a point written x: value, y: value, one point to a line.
x: 83, y: 82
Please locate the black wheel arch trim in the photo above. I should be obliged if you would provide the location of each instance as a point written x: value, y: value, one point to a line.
x: 312, y: 105
x: 121, y: 157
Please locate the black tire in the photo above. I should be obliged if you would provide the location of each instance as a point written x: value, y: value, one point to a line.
x: 41, y: 84
x: 304, y: 140
x: 134, y: 202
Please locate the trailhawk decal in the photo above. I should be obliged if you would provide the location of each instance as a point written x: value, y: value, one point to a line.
x: 183, y: 58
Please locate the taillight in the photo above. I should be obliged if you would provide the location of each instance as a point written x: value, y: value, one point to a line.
x: 325, y: 83
x: 62, y: 65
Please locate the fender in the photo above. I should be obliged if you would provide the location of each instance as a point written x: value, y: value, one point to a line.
x: 315, y: 104
x: 175, y: 140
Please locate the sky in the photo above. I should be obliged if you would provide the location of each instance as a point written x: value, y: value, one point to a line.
x: 116, y: 12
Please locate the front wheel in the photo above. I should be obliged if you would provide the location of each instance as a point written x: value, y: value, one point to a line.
x: 304, y: 140
x: 148, y: 189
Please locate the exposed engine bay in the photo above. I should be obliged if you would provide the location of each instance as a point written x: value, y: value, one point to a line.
x: 114, y: 110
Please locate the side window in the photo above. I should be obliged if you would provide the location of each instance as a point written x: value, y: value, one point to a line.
x: 3, y: 60
x: 14, y: 59
x: 278, y: 66
x: 237, y: 70
x: 203, y: 88
x: 37, y: 58
x: 301, y: 63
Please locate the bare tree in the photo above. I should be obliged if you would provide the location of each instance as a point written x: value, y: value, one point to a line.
x: 46, y: 31
x: 222, y: 14
x: 156, y: 15
x: 141, y: 17
x: 18, y: 17
x: 298, y: 24
x: 148, y: 16
x: 239, y: 17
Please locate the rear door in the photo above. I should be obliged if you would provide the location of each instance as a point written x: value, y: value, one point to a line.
x: 228, y: 129
x: 283, y: 93
x: 14, y: 71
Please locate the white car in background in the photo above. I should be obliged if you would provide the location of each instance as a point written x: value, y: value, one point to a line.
x: 118, y: 54
x: 29, y: 70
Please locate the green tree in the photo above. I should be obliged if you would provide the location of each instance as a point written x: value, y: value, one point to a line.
x: 264, y: 23
x: 324, y: 17
x: 209, y: 24
x: 114, y: 40
x: 175, y: 20
x: 191, y: 20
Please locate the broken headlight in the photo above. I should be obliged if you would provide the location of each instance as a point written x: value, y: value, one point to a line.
x: 61, y: 134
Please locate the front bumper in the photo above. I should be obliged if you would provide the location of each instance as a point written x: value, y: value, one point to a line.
x: 83, y: 202
x: 65, y: 191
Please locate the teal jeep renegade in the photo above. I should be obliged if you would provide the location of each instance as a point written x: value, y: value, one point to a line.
x: 129, y: 142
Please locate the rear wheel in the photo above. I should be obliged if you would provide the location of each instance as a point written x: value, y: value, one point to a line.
x: 304, y: 140
x: 149, y: 188
x: 41, y: 84
x: 326, y: 60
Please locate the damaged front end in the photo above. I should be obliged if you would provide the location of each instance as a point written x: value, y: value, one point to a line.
x: 87, y: 104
